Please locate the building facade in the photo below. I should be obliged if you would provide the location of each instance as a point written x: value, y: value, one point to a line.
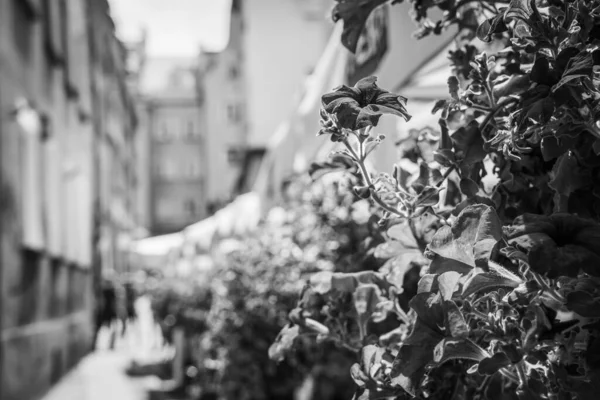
x: 172, y: 144
x: 222, y: 83
x: 55, y: 185
x: 284, y: 40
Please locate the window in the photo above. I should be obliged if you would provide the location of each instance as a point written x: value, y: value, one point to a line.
x: 29, y: 128
x: 234, y: 72
x: 22, y: 28
x: 193, y: 170
x: 190, y: 207
x: 235, y: 155
x: 163, y: 132
x: 234, y: 113
x: 191, y: 129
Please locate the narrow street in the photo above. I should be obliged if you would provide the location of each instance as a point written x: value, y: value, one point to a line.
x: 103, y: 374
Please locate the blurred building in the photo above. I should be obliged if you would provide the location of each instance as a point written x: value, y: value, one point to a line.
x: 115, y: 121
x: 222, y: 85
x: 66, y: 154
x: 283, y: 40
x: 172, y: 143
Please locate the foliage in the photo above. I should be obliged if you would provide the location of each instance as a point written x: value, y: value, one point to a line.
x: 506, y: 306
x: 323, y: 228
x: 179, y: 303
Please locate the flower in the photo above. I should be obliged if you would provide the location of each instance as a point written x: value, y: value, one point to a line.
x: 558, y: 245
x: 362, y: 105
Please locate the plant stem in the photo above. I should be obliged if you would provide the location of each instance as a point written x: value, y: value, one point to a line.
x: 495, y: 110
x: 369, y: 183
x: 446, y: 175
x: 520, y: 367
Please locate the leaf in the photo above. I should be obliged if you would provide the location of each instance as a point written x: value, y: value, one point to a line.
x: 468, y: 187
x: 428, y: 283
x: 584, y: 304
x: 471, y: 238
x: 540, y: 70
x: 416, y: 352
x: 488, y: 281
x: 396, y: 267
x: 324, y: 281
x: 491, y: 365
x: 428, y: 308
x: 468, y: 142
x: 339, y: 162
x: 567, y: 177
x: 283, y: 343
x: 440, y: 265
x: 447, y: 283
x: 354, y: 13
x: 551, y: 148
x: 453, y: 87
x: 580, y: 66
x: 429, y: 197
x: 454, y: 321
x: 391, y: 249
x: 491, y: 26
x: 518, y: 9
x: 458, y: 349
x: 402, y: 234
x: 368, y: 303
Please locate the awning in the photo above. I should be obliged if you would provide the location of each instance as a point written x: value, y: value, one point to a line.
x: 157, y: 245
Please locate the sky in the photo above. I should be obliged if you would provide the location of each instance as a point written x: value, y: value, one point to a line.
x: 175, y: 28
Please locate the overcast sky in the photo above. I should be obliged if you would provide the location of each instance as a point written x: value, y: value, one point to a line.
x: 174, y: 27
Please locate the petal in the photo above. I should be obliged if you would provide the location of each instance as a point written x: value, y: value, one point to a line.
x: 391, y: 100
x: 332, y: 107
x: 369, y: 115
x: 346, y: 114
x: 369, y: 91
x: 530, y: 223
x: 339, y: 93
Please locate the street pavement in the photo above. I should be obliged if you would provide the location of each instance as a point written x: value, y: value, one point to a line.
x: 102, y: 374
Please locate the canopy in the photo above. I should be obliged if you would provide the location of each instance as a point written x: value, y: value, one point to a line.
x: 157, y: 245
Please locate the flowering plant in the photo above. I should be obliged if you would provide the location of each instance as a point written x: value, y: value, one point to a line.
x: 506, y: 304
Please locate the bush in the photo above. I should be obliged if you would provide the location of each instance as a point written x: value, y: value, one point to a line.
x: 321, y: 228
x: 507, y: 304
